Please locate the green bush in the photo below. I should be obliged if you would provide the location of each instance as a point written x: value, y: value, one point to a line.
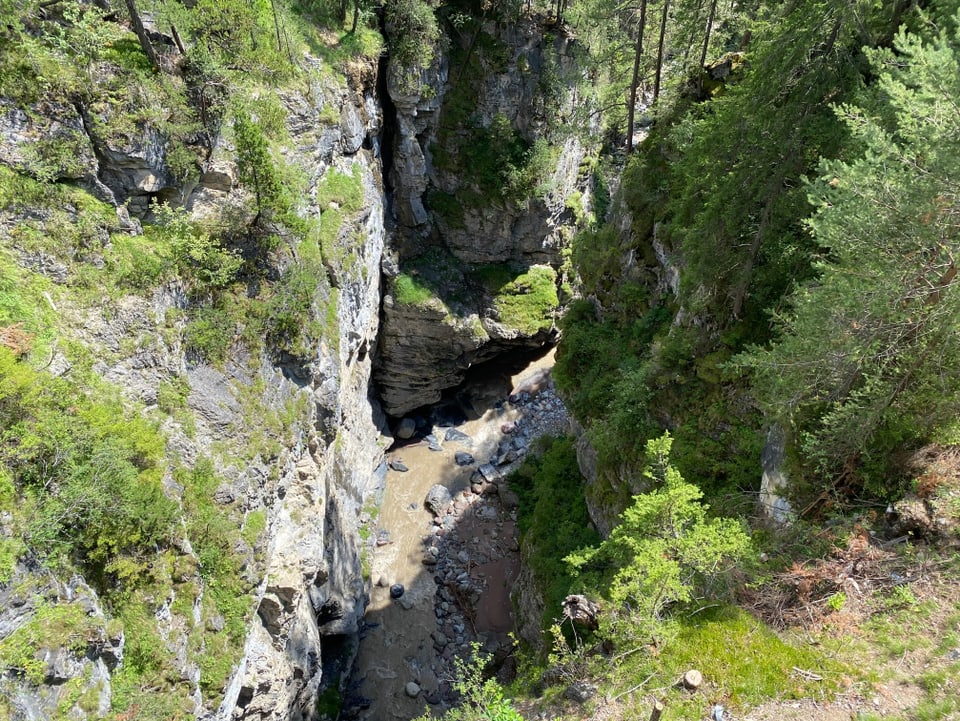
x: 89, y: 469
x: 553, y: 518
x: 292, y: 321
x: 65, y: 625
x: 663, y: 552
x: 209, y: 334
x: 482, y: 699
x: 412, y: 32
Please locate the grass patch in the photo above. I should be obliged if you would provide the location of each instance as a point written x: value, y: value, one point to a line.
x: 56, y: 625
x: 346, y: 191
x: 253, y: 527
x: 744, y: 659
x: 411, y: 291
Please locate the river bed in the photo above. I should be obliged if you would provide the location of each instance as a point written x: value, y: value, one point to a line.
x: 409, y: 642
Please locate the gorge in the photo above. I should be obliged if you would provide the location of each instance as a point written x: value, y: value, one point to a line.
x: 289, y: 434
x: 344, y: 342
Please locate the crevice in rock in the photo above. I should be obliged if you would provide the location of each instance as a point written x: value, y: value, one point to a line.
x: 389, y: 130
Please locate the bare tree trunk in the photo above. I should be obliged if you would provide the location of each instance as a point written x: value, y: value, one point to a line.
x: 706, y: 45
x: 276, y: 25
x: 177, y: 40
x: 663, y: 35
x: 141, y: 33
x: 635, y: 81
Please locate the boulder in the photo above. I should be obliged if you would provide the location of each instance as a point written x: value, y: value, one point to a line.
x: 580, y: 609
x: 457, y: 436
x: 406, y: 428
x: 581, y: 691
x: 438, y: 498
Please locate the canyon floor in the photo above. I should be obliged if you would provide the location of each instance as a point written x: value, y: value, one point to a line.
x: 457, y: 563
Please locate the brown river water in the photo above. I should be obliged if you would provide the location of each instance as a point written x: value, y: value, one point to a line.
x: 399, y: 646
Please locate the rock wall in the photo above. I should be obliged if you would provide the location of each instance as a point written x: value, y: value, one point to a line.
x: 426, y: 349
x: 311, y: 475
x: 313, y: 586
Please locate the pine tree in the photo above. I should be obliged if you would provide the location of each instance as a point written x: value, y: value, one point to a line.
x: 866, y: 359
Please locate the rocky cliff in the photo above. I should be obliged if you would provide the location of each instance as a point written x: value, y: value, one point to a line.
x: 252, y: 609
x: 487, y: 186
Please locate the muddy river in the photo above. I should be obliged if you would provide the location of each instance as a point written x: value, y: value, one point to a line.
x: 469, y: 552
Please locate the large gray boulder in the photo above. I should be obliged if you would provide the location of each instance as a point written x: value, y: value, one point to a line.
x: 438, y: 498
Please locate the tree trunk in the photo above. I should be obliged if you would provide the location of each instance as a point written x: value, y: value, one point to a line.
x: 693, y: 32
x: 663, y: 35
x: 635, y: 81
x: 177, y: 40
x: 276, y: 25
x: 706, y: 45
x: 141, y: 33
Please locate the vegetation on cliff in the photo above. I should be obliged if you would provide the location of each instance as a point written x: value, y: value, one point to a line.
x: 113, y: 115
x: 718, y: 196
x: 782, y: 252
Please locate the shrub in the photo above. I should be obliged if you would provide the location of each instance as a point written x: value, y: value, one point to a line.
x: 208, y: 335
x: 663, y: 551
x: 89, y: 469
x: 412, y: 32
x: 483, y: 699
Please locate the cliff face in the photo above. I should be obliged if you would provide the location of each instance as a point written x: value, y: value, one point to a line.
x: 483, y: 177
x: 288, y: 435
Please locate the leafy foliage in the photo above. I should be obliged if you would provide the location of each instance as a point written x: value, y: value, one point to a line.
x: 413, y: 32
x: 482, y: 699
x: 89, y: 470
x: 553, y: 518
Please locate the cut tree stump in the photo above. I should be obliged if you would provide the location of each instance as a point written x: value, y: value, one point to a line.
x: 657, y: 710
x: 692, y: 679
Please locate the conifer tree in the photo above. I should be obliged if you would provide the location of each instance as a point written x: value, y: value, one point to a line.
x: 866, y: 359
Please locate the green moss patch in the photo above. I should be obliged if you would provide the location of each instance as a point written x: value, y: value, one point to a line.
x: 526, y: 300
x: 410, y: 290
